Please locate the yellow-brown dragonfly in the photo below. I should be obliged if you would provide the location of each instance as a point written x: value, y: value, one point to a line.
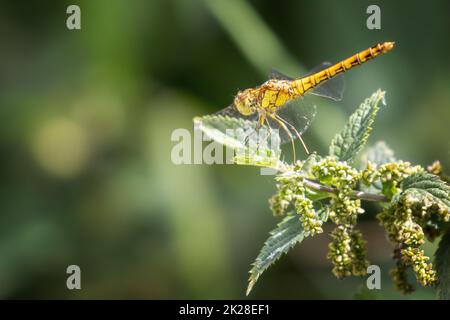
x: 275, y: 103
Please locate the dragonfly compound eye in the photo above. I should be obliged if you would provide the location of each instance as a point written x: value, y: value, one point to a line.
x: 243, y: 103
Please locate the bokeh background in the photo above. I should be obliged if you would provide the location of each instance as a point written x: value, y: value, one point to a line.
x: 85, y: 124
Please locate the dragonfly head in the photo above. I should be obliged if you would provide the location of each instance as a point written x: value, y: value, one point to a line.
x: 244, y: 102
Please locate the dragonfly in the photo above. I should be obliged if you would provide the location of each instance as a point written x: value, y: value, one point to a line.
x: 278, y: 102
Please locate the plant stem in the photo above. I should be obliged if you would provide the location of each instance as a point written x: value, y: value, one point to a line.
x: 355, y: 194
x: 324, y: 188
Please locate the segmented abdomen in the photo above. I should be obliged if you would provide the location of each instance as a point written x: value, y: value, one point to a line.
x: 305, y: 84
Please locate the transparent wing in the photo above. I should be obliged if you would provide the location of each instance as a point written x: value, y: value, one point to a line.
x: 275, y: 74
x: 241, y: 133
x: 290, y: 121
x: 231, y: 111
x: 333, y: 88
x: 296, y: 116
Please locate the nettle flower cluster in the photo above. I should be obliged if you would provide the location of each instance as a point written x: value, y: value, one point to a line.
x: 415, y: 214
x: 324, y: 188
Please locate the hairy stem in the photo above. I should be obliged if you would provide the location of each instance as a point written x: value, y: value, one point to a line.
x: 355, y: 194
x: 315, y: 185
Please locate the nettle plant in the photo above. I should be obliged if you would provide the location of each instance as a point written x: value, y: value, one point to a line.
x: 414, y: 202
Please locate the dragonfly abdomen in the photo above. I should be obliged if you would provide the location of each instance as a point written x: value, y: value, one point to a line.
x: 305, y: 84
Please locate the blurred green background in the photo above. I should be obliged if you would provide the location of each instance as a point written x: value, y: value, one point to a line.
x: 86, y: 120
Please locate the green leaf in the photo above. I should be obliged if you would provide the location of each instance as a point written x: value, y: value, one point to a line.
x: 288, y: 233
x: 215, y: 127
x: 346, y: 145
x: 240, y: 135
x: 427, y: 184
x: 442, y: 263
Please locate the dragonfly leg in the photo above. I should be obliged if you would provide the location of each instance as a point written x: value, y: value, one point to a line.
x: 269, y: 133
x: 262, y: 118
x: 296, y: 132
x: 247, y: 138
x: 281, y: 123
x: 260, y: 123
